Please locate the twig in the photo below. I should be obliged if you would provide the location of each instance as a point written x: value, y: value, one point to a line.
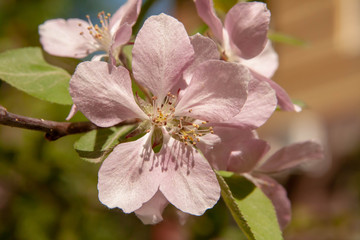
x: 53, y: 130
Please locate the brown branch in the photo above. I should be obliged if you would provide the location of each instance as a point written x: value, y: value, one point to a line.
x: 53, y: 130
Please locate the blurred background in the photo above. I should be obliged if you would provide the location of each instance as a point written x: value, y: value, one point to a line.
x: 47, y: 192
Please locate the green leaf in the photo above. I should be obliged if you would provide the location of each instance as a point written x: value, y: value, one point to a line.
x: 26, y: 70
x: 224, y: 6
x: 251, y: 209
x: 283, y: 38
x: 94, y: 146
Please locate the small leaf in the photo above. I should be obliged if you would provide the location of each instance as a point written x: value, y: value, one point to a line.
x: 26, y: 70
x: 94, y: 146
x: 251, y: 209
x: 283, y: 38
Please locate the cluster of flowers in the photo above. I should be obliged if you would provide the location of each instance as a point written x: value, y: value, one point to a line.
x: 205, y: 96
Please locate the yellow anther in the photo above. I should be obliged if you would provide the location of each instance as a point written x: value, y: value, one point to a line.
x: 190, y: 110
x: 79, y: 24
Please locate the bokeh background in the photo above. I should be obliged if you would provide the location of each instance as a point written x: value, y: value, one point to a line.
x: 47, y: 192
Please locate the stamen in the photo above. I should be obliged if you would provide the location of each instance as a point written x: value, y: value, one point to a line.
x: 101, y: 33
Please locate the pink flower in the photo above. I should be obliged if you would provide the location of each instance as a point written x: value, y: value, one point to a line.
x: 134, y: 177
x: 243, y: 39
x: 242, y: 152
x: 77, y: 38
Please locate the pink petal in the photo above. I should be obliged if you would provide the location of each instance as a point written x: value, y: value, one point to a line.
x: 283, y: 98
x: 206, y: 11
x: 121, y: 37
x: 292, y: 156
x: 217, y: 91
x: 128, y: 178
x: 239, y: 150
x: 127, y: 13
x: 277, y: 194
x: 151, y: 211
x: 266, y: 63
x: 189, y: 182
x: 72, y: 112
x: 247, y: 25
x: 161, y: 52
x: 105, y: 99
x: 205, y: 49
x: 258, y: 108
x: 62, y: 38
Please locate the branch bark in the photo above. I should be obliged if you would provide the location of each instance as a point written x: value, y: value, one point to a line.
x: 53, y: 130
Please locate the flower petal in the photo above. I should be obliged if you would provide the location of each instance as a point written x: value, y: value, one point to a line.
x: 205, y: 49
x: 151, y: 211
x: 121, y: 37
x: 247, y: 25
x: 291, y: 156
x: 266, y: 63
x: 217, y: 91
x: 189, y: 183
x: 206, y: 11
x: 259, y: 106
x: 128, y: 178
x: 278, y: 196
x: 283, y: 98
x: 161, y: 52
x: 239, y: 150
x: 67, y: 38
x: 72, y: 112
x: 105, y: 99
x: 127, y: 13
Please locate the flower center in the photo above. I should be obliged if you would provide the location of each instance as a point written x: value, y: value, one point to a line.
x: 101, y: 34
x: 183, y: 128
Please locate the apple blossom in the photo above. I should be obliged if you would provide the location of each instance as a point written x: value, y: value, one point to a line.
x: 135, y: 177
x: 241, y: 151
x: 77, y: 38
x: 243, y: 39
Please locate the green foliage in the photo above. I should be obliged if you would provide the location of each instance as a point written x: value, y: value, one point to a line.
x: 224, y: 6
x: 283, y: 38
x: 95, y: 146
x: 26, y: 70
x: 251, y: 209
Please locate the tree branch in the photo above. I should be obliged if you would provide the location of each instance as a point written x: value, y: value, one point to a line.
x: 53, y: 130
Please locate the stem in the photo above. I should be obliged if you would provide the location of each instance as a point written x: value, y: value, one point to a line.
x: 53, y: 130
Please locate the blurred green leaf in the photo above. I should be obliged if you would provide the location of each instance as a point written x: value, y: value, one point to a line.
x: 94, y: 146
x: 283, y: 38
x: 26, y: 70
x: 251, y: 209
x: 224, y: 6
x: 202, y: 29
